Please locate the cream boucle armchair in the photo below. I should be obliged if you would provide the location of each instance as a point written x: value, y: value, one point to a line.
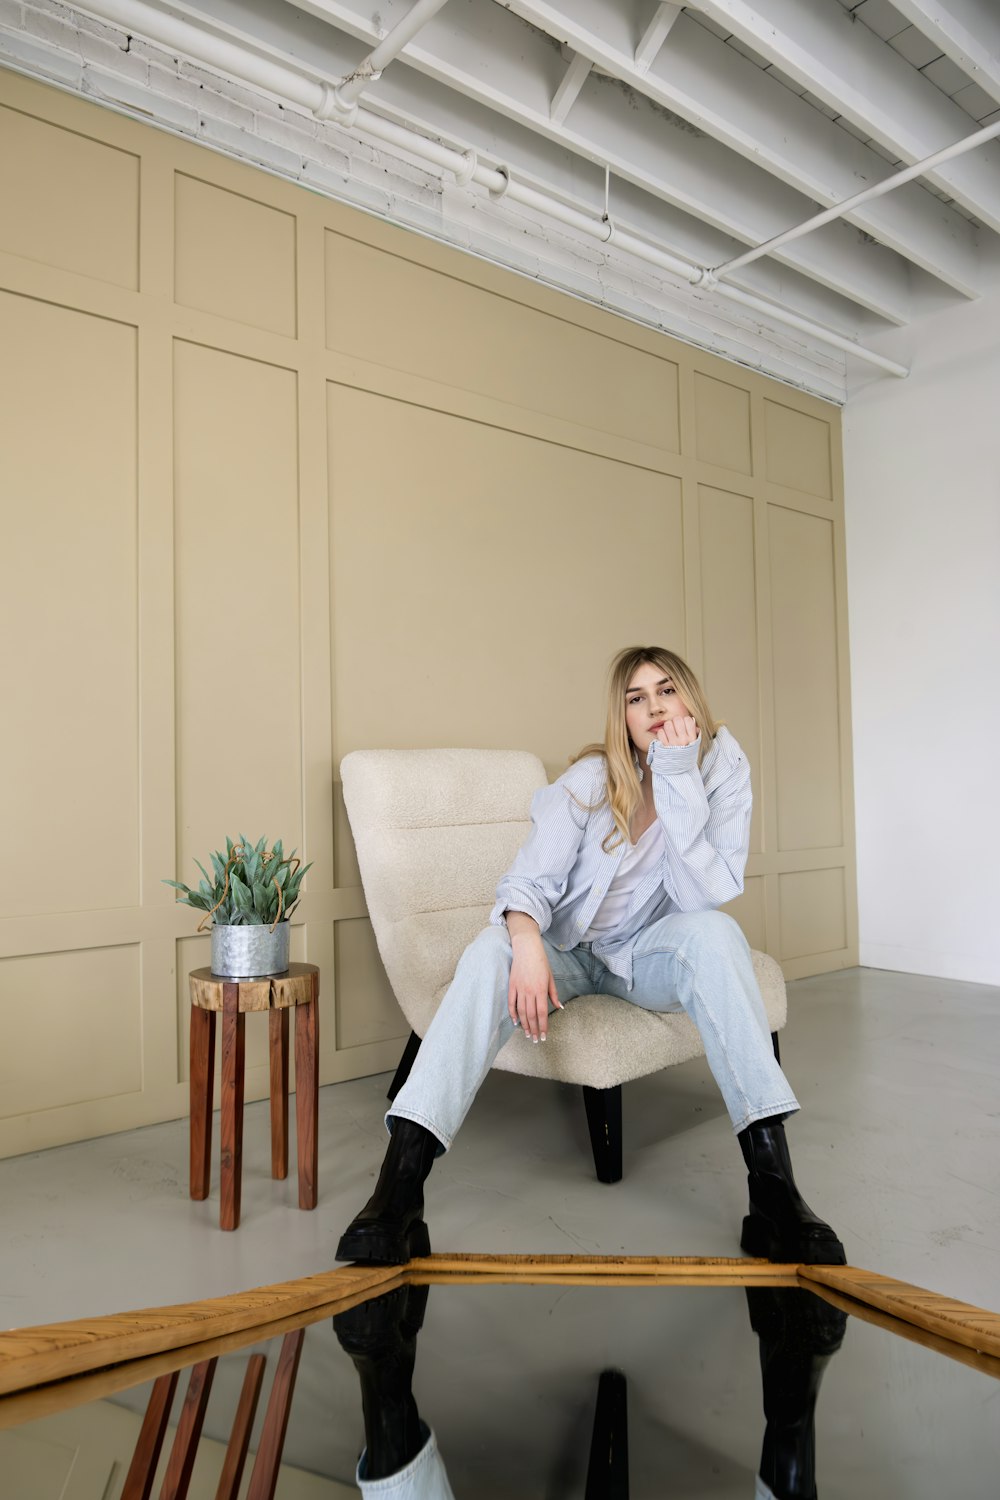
x: 435, y: 830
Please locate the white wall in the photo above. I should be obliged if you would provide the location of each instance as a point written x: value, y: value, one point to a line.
x: 922, y: 503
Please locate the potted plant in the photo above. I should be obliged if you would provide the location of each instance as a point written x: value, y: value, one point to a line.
x: 247, y: 904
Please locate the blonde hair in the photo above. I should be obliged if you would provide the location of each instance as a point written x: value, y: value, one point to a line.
x: 622, y: 791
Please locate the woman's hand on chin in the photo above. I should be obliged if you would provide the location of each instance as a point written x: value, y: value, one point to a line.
x: 681, y: 730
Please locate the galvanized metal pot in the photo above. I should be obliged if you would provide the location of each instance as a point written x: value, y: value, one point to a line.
x: 249, y: 952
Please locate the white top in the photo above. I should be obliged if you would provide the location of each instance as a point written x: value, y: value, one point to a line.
x: 637, y: 861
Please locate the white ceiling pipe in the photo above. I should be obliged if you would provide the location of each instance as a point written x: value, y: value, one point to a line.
x: 349, y: 92
x: 806, y: 325
x: 694, y: 275
x: 877, y: 190
x: 214, y: 51
x: 319, y: 99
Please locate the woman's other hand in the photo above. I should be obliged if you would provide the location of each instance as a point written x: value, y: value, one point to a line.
x: 531, y: 984
x: 681, y: 730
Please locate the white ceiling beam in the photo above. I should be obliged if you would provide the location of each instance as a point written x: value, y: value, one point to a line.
x: 411, y: 96
x: 852, y: 70
x: 891, y: 184
x: 967, y: 32
x: 698, y: 175
x: 565, y: 95
x: 655, y: 35
x: 489, y: 56
x: 739, y: 104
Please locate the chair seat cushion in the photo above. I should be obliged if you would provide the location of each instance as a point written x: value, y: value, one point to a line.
x: 602, y: 1041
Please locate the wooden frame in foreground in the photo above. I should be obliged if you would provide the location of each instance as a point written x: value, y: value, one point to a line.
x: 40, y: 1368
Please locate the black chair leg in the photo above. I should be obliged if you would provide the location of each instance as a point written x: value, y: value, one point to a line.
x: 607, y: 1472
x: 406, y: 1062
x: 777, y: 1049
x: 604, y: 1117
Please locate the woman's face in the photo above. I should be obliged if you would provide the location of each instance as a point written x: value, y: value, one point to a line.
x: 650, y: 700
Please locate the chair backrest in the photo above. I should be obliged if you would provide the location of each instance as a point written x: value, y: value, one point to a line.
x: 434, y: 831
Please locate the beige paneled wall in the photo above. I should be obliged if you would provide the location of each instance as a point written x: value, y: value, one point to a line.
x: 281, y: 481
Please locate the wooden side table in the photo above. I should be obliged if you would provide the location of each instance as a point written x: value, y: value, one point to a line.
x: 298, y: 987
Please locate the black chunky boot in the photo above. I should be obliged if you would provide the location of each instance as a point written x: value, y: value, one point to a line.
x: 799, y: 1333
x: 780, y: 1225
x: 390, y: 1229
x: 381, y: 1338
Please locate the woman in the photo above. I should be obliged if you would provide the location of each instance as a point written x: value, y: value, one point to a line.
x: 614, y: 892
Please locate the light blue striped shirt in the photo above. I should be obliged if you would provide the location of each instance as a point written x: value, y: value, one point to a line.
x: 561, y: 873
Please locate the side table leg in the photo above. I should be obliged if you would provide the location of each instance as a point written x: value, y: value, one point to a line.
x: 233, y: 1053
x: 307, y: 1096
x: 278, y: 1023
x: 202, y: 1086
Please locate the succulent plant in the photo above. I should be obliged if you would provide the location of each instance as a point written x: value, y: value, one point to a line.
x: 253, y: 886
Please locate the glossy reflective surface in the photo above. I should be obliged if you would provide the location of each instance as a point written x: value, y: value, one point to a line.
x: 709, y: 1381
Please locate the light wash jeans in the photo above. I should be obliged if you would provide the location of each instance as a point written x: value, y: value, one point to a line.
x: 698, y: 962
x: 423, y: 1478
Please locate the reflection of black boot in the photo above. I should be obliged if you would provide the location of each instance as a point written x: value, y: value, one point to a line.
x: 381, y: 1338
x: 781, y: 1225
x: 390, y: 1229
x: 798, y: 1333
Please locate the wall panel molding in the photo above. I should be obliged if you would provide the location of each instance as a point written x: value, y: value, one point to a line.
x: 342, y: 486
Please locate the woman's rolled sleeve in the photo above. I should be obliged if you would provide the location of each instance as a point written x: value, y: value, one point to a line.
x: 706, y: 824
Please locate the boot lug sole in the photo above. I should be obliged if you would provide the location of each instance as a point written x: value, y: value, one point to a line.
x: 385, y: 1247
x: 760, y: 1238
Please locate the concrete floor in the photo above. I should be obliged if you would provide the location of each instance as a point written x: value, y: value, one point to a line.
x: 897, y: 1144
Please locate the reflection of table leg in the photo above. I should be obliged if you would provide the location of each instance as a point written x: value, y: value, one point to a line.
x: 233, y: 1022
x: 180, y: 1464
x: 239, y: 1438
x: 278, y: 1022
x: 264, y: 1479
x: 307, y: 1096
x: 142, y: 1469
x: 202, y: 1085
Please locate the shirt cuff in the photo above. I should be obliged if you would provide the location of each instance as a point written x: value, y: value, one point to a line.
x: 671, y: 760
x: 510, y: 897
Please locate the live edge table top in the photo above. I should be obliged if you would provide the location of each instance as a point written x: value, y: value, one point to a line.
x: 298, y: 985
